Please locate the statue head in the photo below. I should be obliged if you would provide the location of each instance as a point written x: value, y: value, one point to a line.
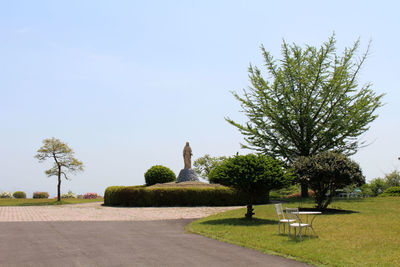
x: 187, y: 143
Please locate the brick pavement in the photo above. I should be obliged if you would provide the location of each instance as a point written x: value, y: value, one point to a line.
x: 96, y: 212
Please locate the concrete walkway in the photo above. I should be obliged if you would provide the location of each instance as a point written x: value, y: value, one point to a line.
x: 97, y: 212
x: 116, y: 243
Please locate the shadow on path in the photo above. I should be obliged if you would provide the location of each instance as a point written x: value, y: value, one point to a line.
x: 240, y: 221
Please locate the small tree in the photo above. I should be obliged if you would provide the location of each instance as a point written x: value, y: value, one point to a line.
x: 366, y: 190
x: 326, y: 172
x: 204, y: 165
x: 254, y: 175
x: 310, y: 102
x: 64, y: 161
x: 393, y: 178
x: 377, y: 186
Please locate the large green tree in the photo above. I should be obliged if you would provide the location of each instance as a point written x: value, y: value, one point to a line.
x: 254, y: 175
x: 64, y: 161
x: 311, y: 102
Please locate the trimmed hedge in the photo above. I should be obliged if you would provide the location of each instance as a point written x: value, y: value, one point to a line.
x: 19, y: 194
x: 393, y: 191
x: 40, y: 195
x: 141, y: 196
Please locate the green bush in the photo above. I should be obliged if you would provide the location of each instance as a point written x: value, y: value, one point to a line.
x: 141, y: 196
x: 378, y: 186
x: 5, y: 194
x: 19, y: 194
x: 252, y: 175
x: 159, y: 174
x: 327, y: 172
x: 40, y: 195
x: 393, y: 191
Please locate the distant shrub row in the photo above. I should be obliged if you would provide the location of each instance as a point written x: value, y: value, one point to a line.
x: 140, y: 196
x: 70, y: 194
x: 17, y: 194
x: 393, y: 191
x: 311, y: 193
x: 90, y: 196
x: 40, y: 195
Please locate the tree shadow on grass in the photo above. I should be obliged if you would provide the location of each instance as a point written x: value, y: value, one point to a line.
x: 239, y: 221
x: 329, y: 211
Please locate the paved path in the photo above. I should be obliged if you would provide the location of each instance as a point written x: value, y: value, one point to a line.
x: 97, y: 212
x: 83, y: 241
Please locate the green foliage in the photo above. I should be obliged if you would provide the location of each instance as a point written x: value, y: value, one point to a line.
x: 141, y: 196
x: 366, y: 190
x: 204, y: 165
x: 392, y: 179
x: 393, y: 191
x: 254, y: 175
x: 40, y: 195
x: 19, y: 194
x: 70, y: 194
x: 327, y: 172
x: 5, y: 194
x: 288, y: 190
x: 377, y: 186
x: 159, y: 174
x: 64, y: 161
x: 311, y: 103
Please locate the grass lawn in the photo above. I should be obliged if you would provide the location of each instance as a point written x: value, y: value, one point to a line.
x: 368, y: 236
x: 42, y: 201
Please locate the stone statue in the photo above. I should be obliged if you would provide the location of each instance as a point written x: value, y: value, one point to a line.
x: 187, y: 174
x: 187, y: 156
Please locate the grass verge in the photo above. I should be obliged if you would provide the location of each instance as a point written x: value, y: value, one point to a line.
x: 367, y: 235
x: 43, y: 202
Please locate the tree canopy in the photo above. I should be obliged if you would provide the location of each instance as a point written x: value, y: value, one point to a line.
x: 64, y: 161
x: 310, y: 102
x: 204, y: 165
x: 326, y: 172
x: 252, y: 174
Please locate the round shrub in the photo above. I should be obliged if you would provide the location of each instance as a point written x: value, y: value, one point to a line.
x: 90, y: 196
x: 393, y: 191
x: 5, y: 194
x: 19, y: 194
x: 68, y: 195
x: 159, y: 174
x: 40, y: 195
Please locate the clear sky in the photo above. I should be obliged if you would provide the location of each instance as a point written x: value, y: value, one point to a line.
x: 127, y: 83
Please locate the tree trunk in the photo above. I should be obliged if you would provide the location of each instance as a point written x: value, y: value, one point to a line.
x: 304, y: 189
x: 250, y: 213
x: 59, y: 185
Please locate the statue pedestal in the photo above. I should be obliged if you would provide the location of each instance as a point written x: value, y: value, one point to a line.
x: 187, y: 175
